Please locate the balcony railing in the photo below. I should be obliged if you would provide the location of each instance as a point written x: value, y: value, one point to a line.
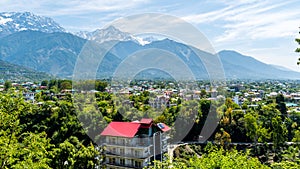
x: 125, y: 165
x: 130, y: 155
x: 134, y: 142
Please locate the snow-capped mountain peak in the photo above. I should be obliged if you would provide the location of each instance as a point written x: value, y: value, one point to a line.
x: 108, y: 34
x: 112, y: 34
x: 12, y: 22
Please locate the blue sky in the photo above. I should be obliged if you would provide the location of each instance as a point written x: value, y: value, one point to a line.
x: 262, y: 29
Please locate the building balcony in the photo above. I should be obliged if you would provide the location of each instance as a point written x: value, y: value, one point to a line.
x: 134, y: 142
x: 130, y: 155
x: 125, y: 166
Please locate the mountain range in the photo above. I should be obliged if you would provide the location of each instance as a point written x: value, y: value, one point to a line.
x: 14, y: 72
x: 39, y: 43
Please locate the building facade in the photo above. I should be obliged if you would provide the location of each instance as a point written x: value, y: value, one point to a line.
x: 134, y: 144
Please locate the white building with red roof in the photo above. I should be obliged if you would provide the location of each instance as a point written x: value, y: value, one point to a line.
x: 134, y: 144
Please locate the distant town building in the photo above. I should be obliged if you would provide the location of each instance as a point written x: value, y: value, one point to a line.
x: 236, y: 100
x: 29, y: 96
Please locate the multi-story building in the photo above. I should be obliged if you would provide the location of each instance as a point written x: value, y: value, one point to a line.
x: 134, y: 144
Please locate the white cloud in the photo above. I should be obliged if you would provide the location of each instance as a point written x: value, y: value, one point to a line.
x: 265, y: 22
x: 65, y: 7
x: 76, y: 15
x: 232, y: 8
x: 251, y: 19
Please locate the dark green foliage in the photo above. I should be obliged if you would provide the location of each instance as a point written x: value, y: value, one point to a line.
x: 49, y: 136
x: 216, y: 158
x: 281, y: 104
x: 7, y: 85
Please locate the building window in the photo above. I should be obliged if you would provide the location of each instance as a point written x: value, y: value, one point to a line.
x: 122, y: 151
x: 122, y: 161
x: 112, y: 140
x: 122, y: 141
x: 136, y: 153
x: 137, y: 164
x: 114, y: 150
x: 112, y: 160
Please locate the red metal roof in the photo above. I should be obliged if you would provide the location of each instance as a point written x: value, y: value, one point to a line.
x: 146, y: 121
x: 121, y: 129
x: 129, y: 129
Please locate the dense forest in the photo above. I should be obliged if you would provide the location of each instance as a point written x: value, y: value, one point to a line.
x: 43, y: 136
